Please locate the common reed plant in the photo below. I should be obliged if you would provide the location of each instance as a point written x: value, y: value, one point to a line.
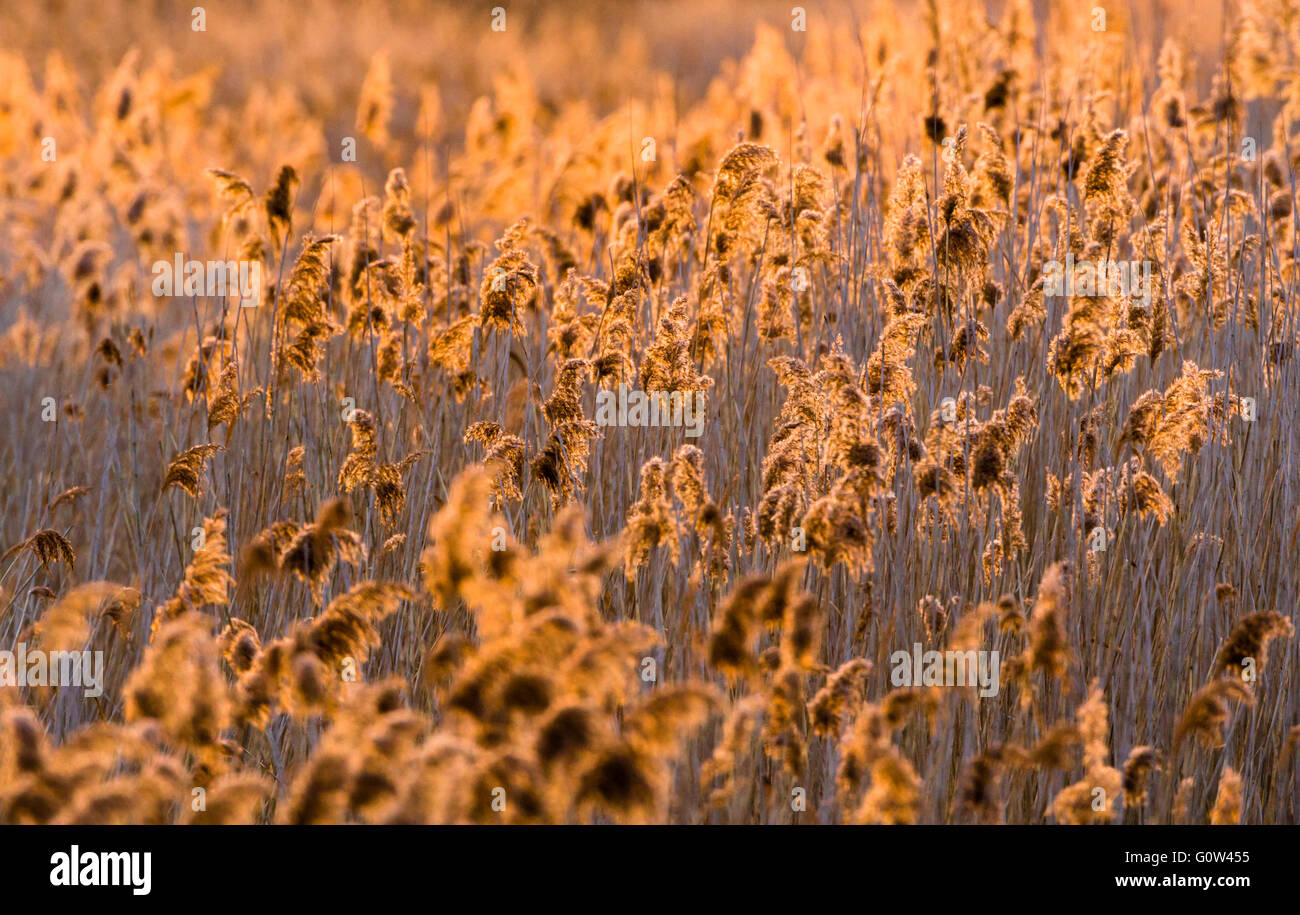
x: 370, y: 547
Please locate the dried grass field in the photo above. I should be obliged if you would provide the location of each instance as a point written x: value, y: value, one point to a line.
x: 331, y: 340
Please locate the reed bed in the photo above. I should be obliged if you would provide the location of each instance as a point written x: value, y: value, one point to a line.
x: 372, y: 551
